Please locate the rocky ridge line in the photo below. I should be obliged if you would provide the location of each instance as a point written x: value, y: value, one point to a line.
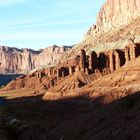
x: 13, y: 60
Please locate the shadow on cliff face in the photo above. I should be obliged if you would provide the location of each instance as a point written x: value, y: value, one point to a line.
x: 78, y: 118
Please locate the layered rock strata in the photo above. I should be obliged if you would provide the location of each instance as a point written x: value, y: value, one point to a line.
x: 13, y: 60
x: 93, y: 66
x: 115, y: 13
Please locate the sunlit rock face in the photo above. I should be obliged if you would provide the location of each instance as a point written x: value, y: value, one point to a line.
x: 13, y: 60
x: 117, y: 20
x: 115, y: 13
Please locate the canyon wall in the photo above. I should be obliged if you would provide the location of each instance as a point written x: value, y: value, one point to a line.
x: 117, y: 20
x: 115, y: 13
x: 13, y: 60
x: 78, y: 71
x: 112, y: 16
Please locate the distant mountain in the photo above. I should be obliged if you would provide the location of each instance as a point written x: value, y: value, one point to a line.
x: 13, y: 60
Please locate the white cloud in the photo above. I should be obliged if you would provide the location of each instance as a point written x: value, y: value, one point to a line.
x: 4, y: 3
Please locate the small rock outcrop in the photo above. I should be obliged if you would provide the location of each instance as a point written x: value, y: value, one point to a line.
x: 83, y: 60
x: 93, y: 61
x: 131, y: 52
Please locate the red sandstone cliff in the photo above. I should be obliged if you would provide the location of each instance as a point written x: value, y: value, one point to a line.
x: 117, y: 20
x: 13, y: 60
x: 115, y: 13
x: 77, y: 72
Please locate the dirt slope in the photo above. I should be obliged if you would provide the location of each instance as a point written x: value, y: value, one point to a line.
x: 76, y: 118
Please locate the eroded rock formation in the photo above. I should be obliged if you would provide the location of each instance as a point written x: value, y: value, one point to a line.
x: 117, y: 20
x: 81, y: 69
x: 93, y: 61
x: 13, y: 60
x: 117, y: 59
x: 83, y: 60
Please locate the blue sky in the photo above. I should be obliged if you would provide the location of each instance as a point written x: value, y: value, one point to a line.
x: 40, y: 23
